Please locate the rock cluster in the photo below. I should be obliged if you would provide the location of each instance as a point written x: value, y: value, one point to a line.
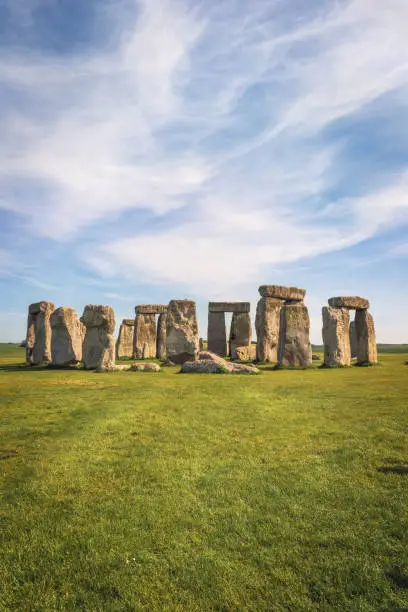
x: 240, y: 331
x: 343, y: 339
x: 150, y: 336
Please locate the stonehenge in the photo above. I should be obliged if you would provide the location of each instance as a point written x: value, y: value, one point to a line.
x: 124, y: 343
x: 150, y: 335
x: 182, y: 342
x: 38, y: 338
x: 66, y: 338
x: 343, y: 340
x: 98, y: 349
x: 240, y: 330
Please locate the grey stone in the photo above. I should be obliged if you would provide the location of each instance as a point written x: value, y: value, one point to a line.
x: 336, y: 337
x: 267, y: 323
x: 145, y: 367
x: 240, y: 332
x: 124, y: 342
x: 67, y: 337
x: 295, y: 294
x: 30, y: 338
x: 294, y: 341
x: 145, y: 336
x: 245, y: 353
x: 353, y: 339
x: 182, y: 342
x: 161, y: 336
x: 352, y: 302
x: 217, y: 333
x: 98, y: 349
x: 38, y: 348
x: 365, y: 334
x: 229, y: 307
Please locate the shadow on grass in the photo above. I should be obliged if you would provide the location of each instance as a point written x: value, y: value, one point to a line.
x: 398, y: 577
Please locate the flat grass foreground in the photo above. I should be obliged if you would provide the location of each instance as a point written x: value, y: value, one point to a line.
x: 161, y: 491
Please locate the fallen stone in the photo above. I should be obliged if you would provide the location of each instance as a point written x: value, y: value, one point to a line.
x: 282, y: 293
x: 161, y: 336
x: 229, y: 307
x: 66, y: 338
x: 366, y: 341
x: 98, y: 349
x: 351, y: 302
x: 210, y: 356
x: 245, y: 353
x: 145, y: 367
x: 267, y: 324
x: 151, y: 309
x: 113, y: 368
x: 124, y: 343
x: 336, y: 338
x: 182, y: 342
x: 145, y: 336
x: 240, y: 332
x: 243, y: 368
x: 217, y: 333
x: 204, y: 366
x: 294, y: 343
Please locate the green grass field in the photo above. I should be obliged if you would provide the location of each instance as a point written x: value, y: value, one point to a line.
x: 161, y: 491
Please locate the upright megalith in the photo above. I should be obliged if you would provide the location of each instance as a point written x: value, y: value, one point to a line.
x: 161, y: 336
x: 267, y: 323
x: 124, y: 342
x: 217, y: 333
x: 294, y: 341
x: 67, y: 337
x: 38, y: 339
x: 145, y: 336
x: 98, y: 349
x: 336, y: 338
x: 240, y: 332
x: 353, y: 339
x: 365, y: 337
x: 182, y: 343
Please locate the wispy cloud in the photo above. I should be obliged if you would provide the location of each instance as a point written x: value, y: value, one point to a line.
x: 218, y: 109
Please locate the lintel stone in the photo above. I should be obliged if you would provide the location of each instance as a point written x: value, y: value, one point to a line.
x: 282, y: 293
x: 352, y: 302
x: 229, y: 306
x: 151, y: 309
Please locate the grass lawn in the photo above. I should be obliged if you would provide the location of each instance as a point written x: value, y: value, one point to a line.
x: 161, y: 491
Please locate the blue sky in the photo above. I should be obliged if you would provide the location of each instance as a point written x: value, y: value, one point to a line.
x: 159, y: 149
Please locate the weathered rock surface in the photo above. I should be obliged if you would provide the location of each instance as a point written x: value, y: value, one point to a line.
x: 145, y: 367
x: 217, y: 333
x: 229, y: 307
x: 210, y: 356
x: 352, y: 302
x: 67, y: 337
x: 124, y: 343
x: 161, y: 336
x: 294, y: 341
x: 145, y: 336
x: 151, y: 309
x: 353, y: 339
x: 210, y: 363
x: 246, y: 353
x: 98, y: 349
x: 38, y: 348
x: 267, y: 324
x: 182, y: 342
x: 365, y: 334
x: 240, y: 332
x: 282, y: 293
x: 336, y: 337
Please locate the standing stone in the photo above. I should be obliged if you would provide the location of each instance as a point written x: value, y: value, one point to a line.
x: 145, y: 336
x: 240, y: 332
x: 124, y: 343
x: 161, y: 337
x: 217, y: 333
x: 39, y: 332
x: 336, y: 338
x: 294, y: 343
x: 267, y: 323
x: 99, y: 343
x: 353, y: 339
x: 182, y: 342
x: 365, y: 334
x: 67, y: 336
x: 30, y: 338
